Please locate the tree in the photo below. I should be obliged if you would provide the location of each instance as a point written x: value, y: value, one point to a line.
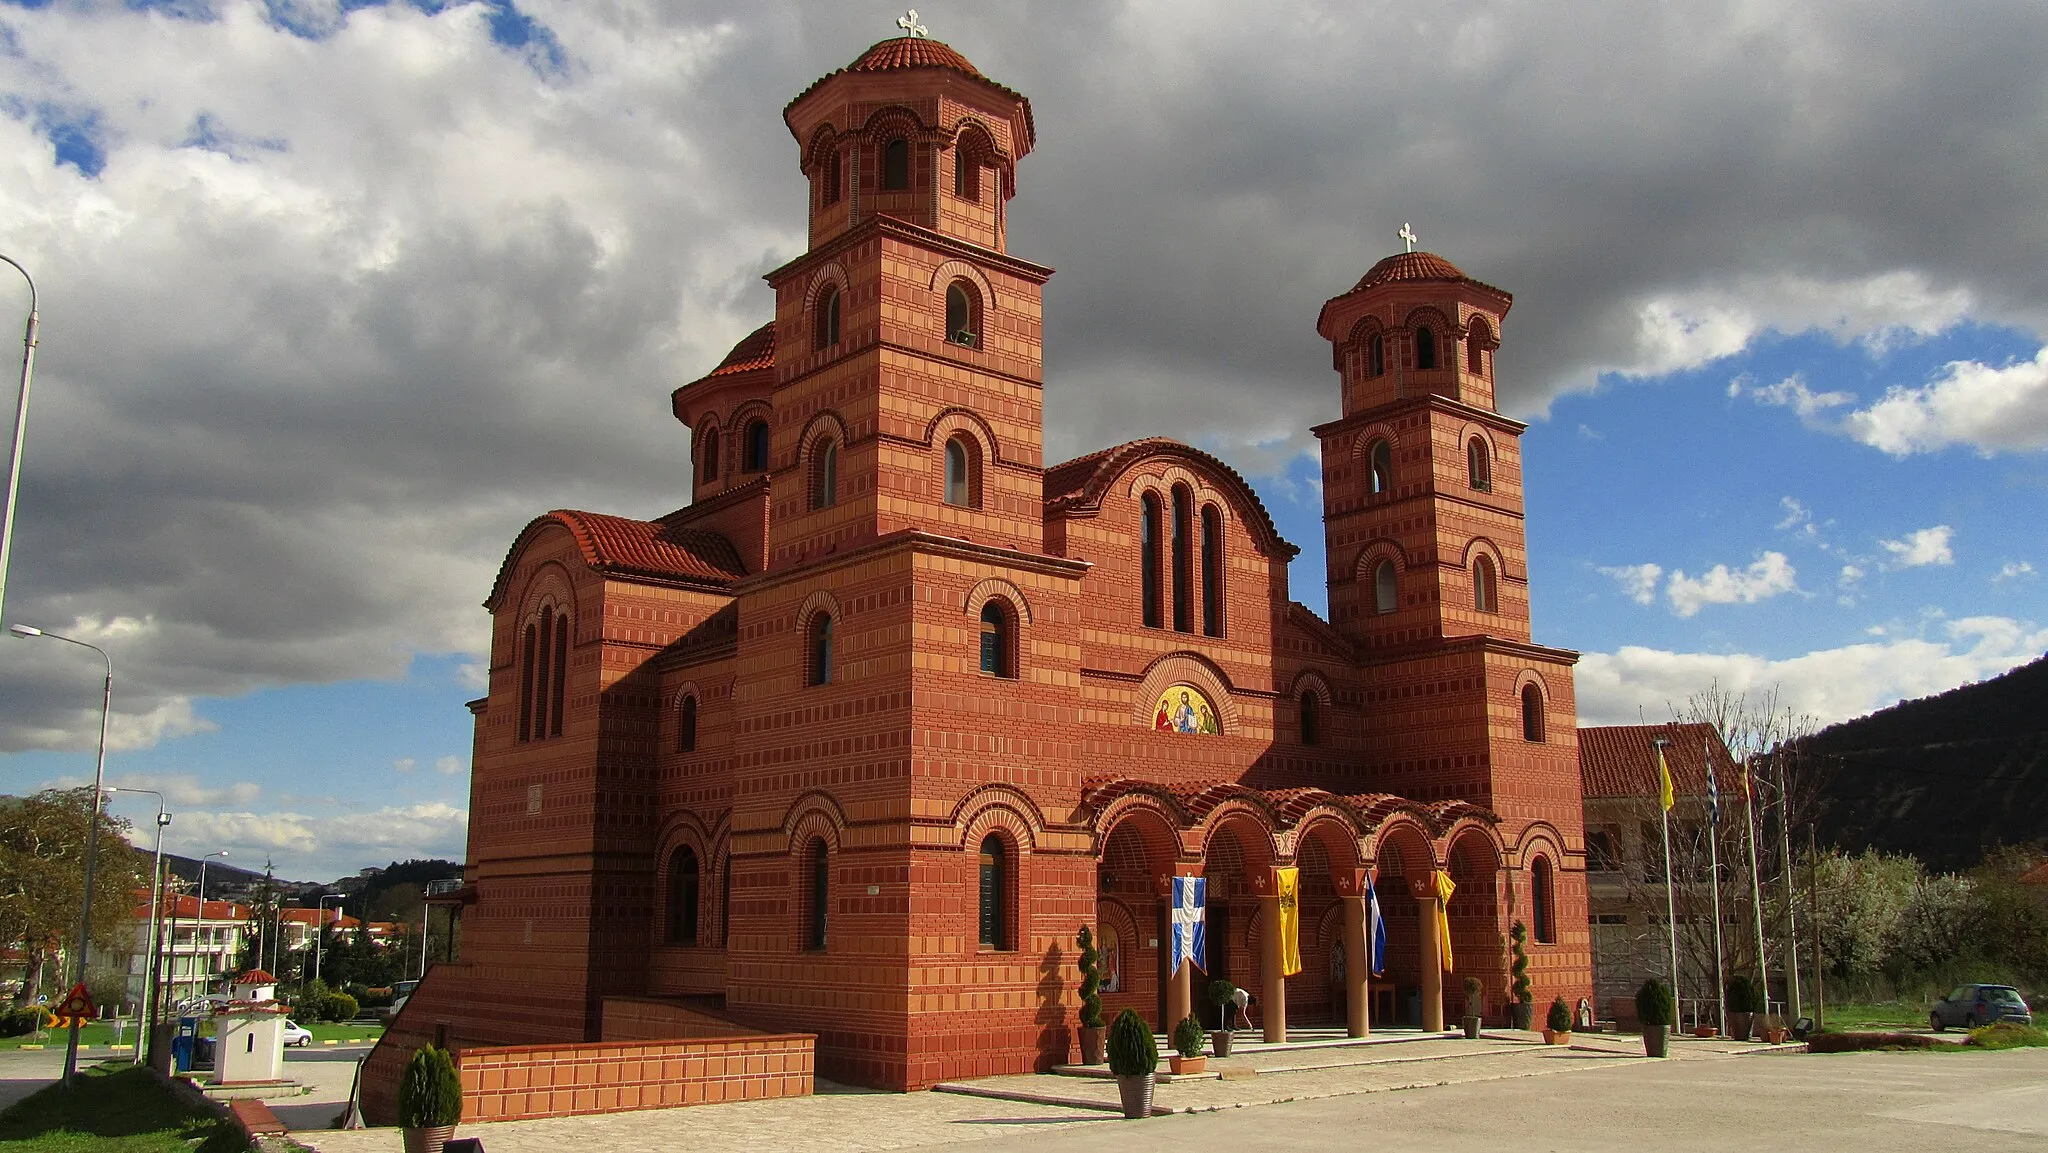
x: 42, y: 879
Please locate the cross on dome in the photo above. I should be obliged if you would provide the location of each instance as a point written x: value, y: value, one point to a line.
x: 908, y: 22
x: 1406, y: 234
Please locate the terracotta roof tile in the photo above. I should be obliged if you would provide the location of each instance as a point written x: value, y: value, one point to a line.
x: 1081, y: 483
x: 1410, y: 266
x: 1620, y: 761
x: 635, y: 549
x: 911, y: 52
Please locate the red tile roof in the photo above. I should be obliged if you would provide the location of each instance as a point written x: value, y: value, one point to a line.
x: 1409, y: 266
x: 255, y: 977
x: 754, y: 352
x: 186, y: 908
x: 1081, y: 483
x: 1620, y: 761
x: 912, y: 52
x: 635, y: 549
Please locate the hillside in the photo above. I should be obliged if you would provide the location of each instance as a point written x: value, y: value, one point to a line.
x: 1943, y: 777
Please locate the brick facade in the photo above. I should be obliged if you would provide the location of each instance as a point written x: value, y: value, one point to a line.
x: 873, y: 458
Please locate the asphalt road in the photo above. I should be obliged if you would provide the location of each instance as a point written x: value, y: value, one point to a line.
x: 326, y: 1071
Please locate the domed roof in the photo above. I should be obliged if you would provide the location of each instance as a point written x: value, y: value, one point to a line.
x: 1410, y: 266
x: 912, y: 52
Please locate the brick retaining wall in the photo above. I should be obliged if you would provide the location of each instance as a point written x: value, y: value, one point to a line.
x: 518, y: 1082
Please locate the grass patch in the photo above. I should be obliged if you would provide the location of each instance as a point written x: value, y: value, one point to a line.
x: 1865, y: 1016
x: 115, y: 1108
x: 2007, y: 1035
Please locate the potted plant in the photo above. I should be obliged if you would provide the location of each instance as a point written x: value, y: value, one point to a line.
x: 1224, y: 994
x: 1745, y: 1001
x: 1557, y: 1024
x: 1187, y: 1047
x: 1654, y: 1012
x: 1133, y: 1059
x: 1091, y: 999
x: 429, y: 1100
x: 1773, y: 1028
x: 1475, y: 1000
x: 1522, y: 1000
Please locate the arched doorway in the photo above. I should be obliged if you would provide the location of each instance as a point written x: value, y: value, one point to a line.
x: 1239, y: 852
x: 1130, y: 913
x: 1403, y: 858
x: 1477, y: 944
x: 1327, y: 852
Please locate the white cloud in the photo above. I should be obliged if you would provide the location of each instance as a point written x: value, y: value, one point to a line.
x: 1927, y: 546
x: 1991, y: 409
x: 1791, y: 393
x: 1638, y: 581
x: 1768, y: 576
x: 405, y: 764
x: 300, y: 842
x: 450, y: 766
x: 1798, y: 518
x: 178, y: 789
x: 1831, y: 684
x: 2013, y: 570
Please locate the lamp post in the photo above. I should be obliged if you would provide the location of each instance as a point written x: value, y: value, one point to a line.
x: 201, y: 925
x: 320, y: 926
x: 142, y: 1014
x: 28, y: 368
x: 92, y: 838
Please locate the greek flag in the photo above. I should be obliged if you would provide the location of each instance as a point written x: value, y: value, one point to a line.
x: 1190, y: 900
x: 1375, y: 931
x: 1713, y: 789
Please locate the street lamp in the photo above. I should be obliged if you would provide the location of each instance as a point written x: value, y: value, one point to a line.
x: 28, y: 367
x: 320, y: 926
x: 92, y: 839
x: 156, y: 877
x: 203, y: 862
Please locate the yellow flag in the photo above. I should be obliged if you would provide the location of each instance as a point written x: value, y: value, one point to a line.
x: 1287, y: 884
x: 1444, y: 889
x: 1664, y: 796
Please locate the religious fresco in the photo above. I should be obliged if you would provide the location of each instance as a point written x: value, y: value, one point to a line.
x: 1110, y: 959
x: 1183, y: 709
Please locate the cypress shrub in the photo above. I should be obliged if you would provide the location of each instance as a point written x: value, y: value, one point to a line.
x: 1744, y: 996
x: 429, y: 1093
x: 1560, y: 1016
x: 1188, y: 1037
x: 1519, y: 936
x: 1653, y: 1004
x: 1091, y: 981
x: 1132, y: 1052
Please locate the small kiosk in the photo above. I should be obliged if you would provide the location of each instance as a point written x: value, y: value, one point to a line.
x: 248, y: 1032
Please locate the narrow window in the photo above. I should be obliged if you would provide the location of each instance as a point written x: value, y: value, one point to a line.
x: 1148, y: 559
x: 1532, y: 713
x: 686, y: 725
x: 1425, y: 348
x: 1478, y: 466
x: 896, y: 165
x: 1212, y: 571
x: 682, y: 897
x: 834, y: 166
x: 995, y: 641
x: 1376, y: 355
x: 529, y: 668
x: 825, y: 475
x: 993, y: 887
x: 1386, y: 592
x: 1483, y: 586
x: 821, y: 649
x: 1311, y: 719
x: 967, y: 174
x: 1183, y: 561
x: 561, y: 688
x: 1545, y: 899
x: 962, y: 326
x: 1382, y: 464
x: 725, y: 901
x: 957, y: 488
x: 710, y: 454
x: 1475, y: 357
x: 543, y: 677
x: 825, y: 332
x: 756, y: 454
x: 1603, y: 855
x: 820, y: 891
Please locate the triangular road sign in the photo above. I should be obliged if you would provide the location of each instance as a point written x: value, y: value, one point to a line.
x: 76, y: 1003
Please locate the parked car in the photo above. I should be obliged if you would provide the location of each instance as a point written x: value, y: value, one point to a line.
x: 1972, y: 1005
x: 297, y: 1034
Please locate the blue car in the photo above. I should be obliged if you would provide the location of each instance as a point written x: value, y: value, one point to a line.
x: 1972, y: 1005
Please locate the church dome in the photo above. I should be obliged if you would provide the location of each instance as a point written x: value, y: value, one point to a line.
x: 1409, y: 266
x: 912, y: 52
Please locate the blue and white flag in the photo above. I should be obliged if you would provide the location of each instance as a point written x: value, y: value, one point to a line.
x: 1713, y: 789
x: 1190, y: 904
x: 1375, y: 931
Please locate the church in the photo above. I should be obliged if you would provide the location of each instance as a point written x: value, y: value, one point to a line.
x: 855, y: 742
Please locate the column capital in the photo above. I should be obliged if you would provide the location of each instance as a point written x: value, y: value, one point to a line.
x: 1266, y: 882
x: 1350, y: 882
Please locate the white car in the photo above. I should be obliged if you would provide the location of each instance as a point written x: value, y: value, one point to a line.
x: 297, y: 1034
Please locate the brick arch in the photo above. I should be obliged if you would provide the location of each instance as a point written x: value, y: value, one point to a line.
x: 1431, y: 315
x: 1261, y: 848
x: 1200, y: 491
x: 955, y: 424
x: 1156, y: 822
x: 684, y: 830
x: 1480, y: 546
x: 1335, y: 831
x: 1408, y: 840
x: 815, y: 814
x: 685, y: 689
x: 1188, y: 668
x: 953, y: 270
x: 708, y: 428
x: 1311, y: 680
x: 1478, y: 326
x: 899, y: 118
x: 1003, y: 803
x: 957, y: 419
x: 1378, y: 430
x: 744, y: 414
x: 1373, y: 551
x: 832, y: 273
x: 826, y: 422
x: 820, y: 600
x: 1539, y: 837
x: 964, y: 134
x: 980, y: 594
x: 548, y: 584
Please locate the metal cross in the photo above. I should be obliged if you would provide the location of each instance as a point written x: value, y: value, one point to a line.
x: 908, y: 22
x: 1406, y: 234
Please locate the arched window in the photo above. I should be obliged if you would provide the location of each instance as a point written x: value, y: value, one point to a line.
x: 1376, y: 355
x: 1381, y: 461
x: 682, y: 897
x: 995, y: 641
x: 1425, y: 347
x: 529, y: 669
x: 818, y: 892
x: 709, y: 454
x: 686, y: 725
x: 1543, y: 891
x: 1311, y: 719
x: 1532, y: 713
x: 896, y: 165
x: 755, y: 455
x: 819, y: 658
x: 967, y: 174
x: 560, y: 693
x: 1212, y: 571
x: 1386, y: 591
x: 1183, y: 560
x: 963, y: 320
x: 1148, y: 559
x: 544, y: 674
x: 1484, y: 593
x: 1478, y: 465
x: 825, y: 319
x: 995, y: 885
x: 825, y: 474
x: 959, y: 474
x: 1475, y: 343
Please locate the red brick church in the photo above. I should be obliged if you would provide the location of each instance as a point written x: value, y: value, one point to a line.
x: 857, y: 740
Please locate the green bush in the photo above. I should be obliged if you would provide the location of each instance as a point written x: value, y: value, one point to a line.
x: 2007, y: 1035
x: 1475, y: 997
x: 1188, y: 1037
x: 1559, y: 1019
x: 1519, y: 938
x: 339, y: 1007
x: 1744, y: 995
x: 1091, y: 981
x: 1221, y: 992
x: 1653, y: 1004
x: 1132, y: 1052
x: 19, y: 1022
x: 429, y: 1093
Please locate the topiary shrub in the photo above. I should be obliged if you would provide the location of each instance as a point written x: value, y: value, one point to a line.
x: 339, y: 1007
x: 1132, y: 1052
x: 1224, y: 995
x: 1744, y: 995
x: 1559, y: 1019
x: 1475, y: 996
x: 1653, y: 1004
x: 1519, y: 936
x: 429, y: 1093
x: 1091, y: 981
x: 1188, y: 1037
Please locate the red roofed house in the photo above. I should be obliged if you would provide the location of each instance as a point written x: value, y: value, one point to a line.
x: 199, y: 950
x: 855, y: 742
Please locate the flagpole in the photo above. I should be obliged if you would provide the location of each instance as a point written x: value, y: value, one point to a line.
x: 1670, y: 903
x: 1714, y: 878
x: 1756, y: 889
x: 1785, y: 860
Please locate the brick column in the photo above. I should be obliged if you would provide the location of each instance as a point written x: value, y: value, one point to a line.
x: 1357, y: 957
x: 1430, y: 925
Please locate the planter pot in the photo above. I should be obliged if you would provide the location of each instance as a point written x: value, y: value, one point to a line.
x: 1738, y: 1025
x: 1704, y: 1030
x: 1775, y: 1036
x: 1092, y: 1041
x: 1180, y: 1064
x: 1137, y: 1095
x: 1219, y: 1042
x: 1520, y: 1013
x: 1656, y: 1040
x: 1557, y: 1036
x: 1471, y: 1024
x: 427, y: 1140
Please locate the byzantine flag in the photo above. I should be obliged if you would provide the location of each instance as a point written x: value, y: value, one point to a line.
x: 1444, y: 889
x: 1376, y: 932
x: 1664, y: 793
x: 1287, y: 886
x: 1190, y: 902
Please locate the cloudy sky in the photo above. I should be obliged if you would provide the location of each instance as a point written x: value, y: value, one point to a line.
x: 336, y: 296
